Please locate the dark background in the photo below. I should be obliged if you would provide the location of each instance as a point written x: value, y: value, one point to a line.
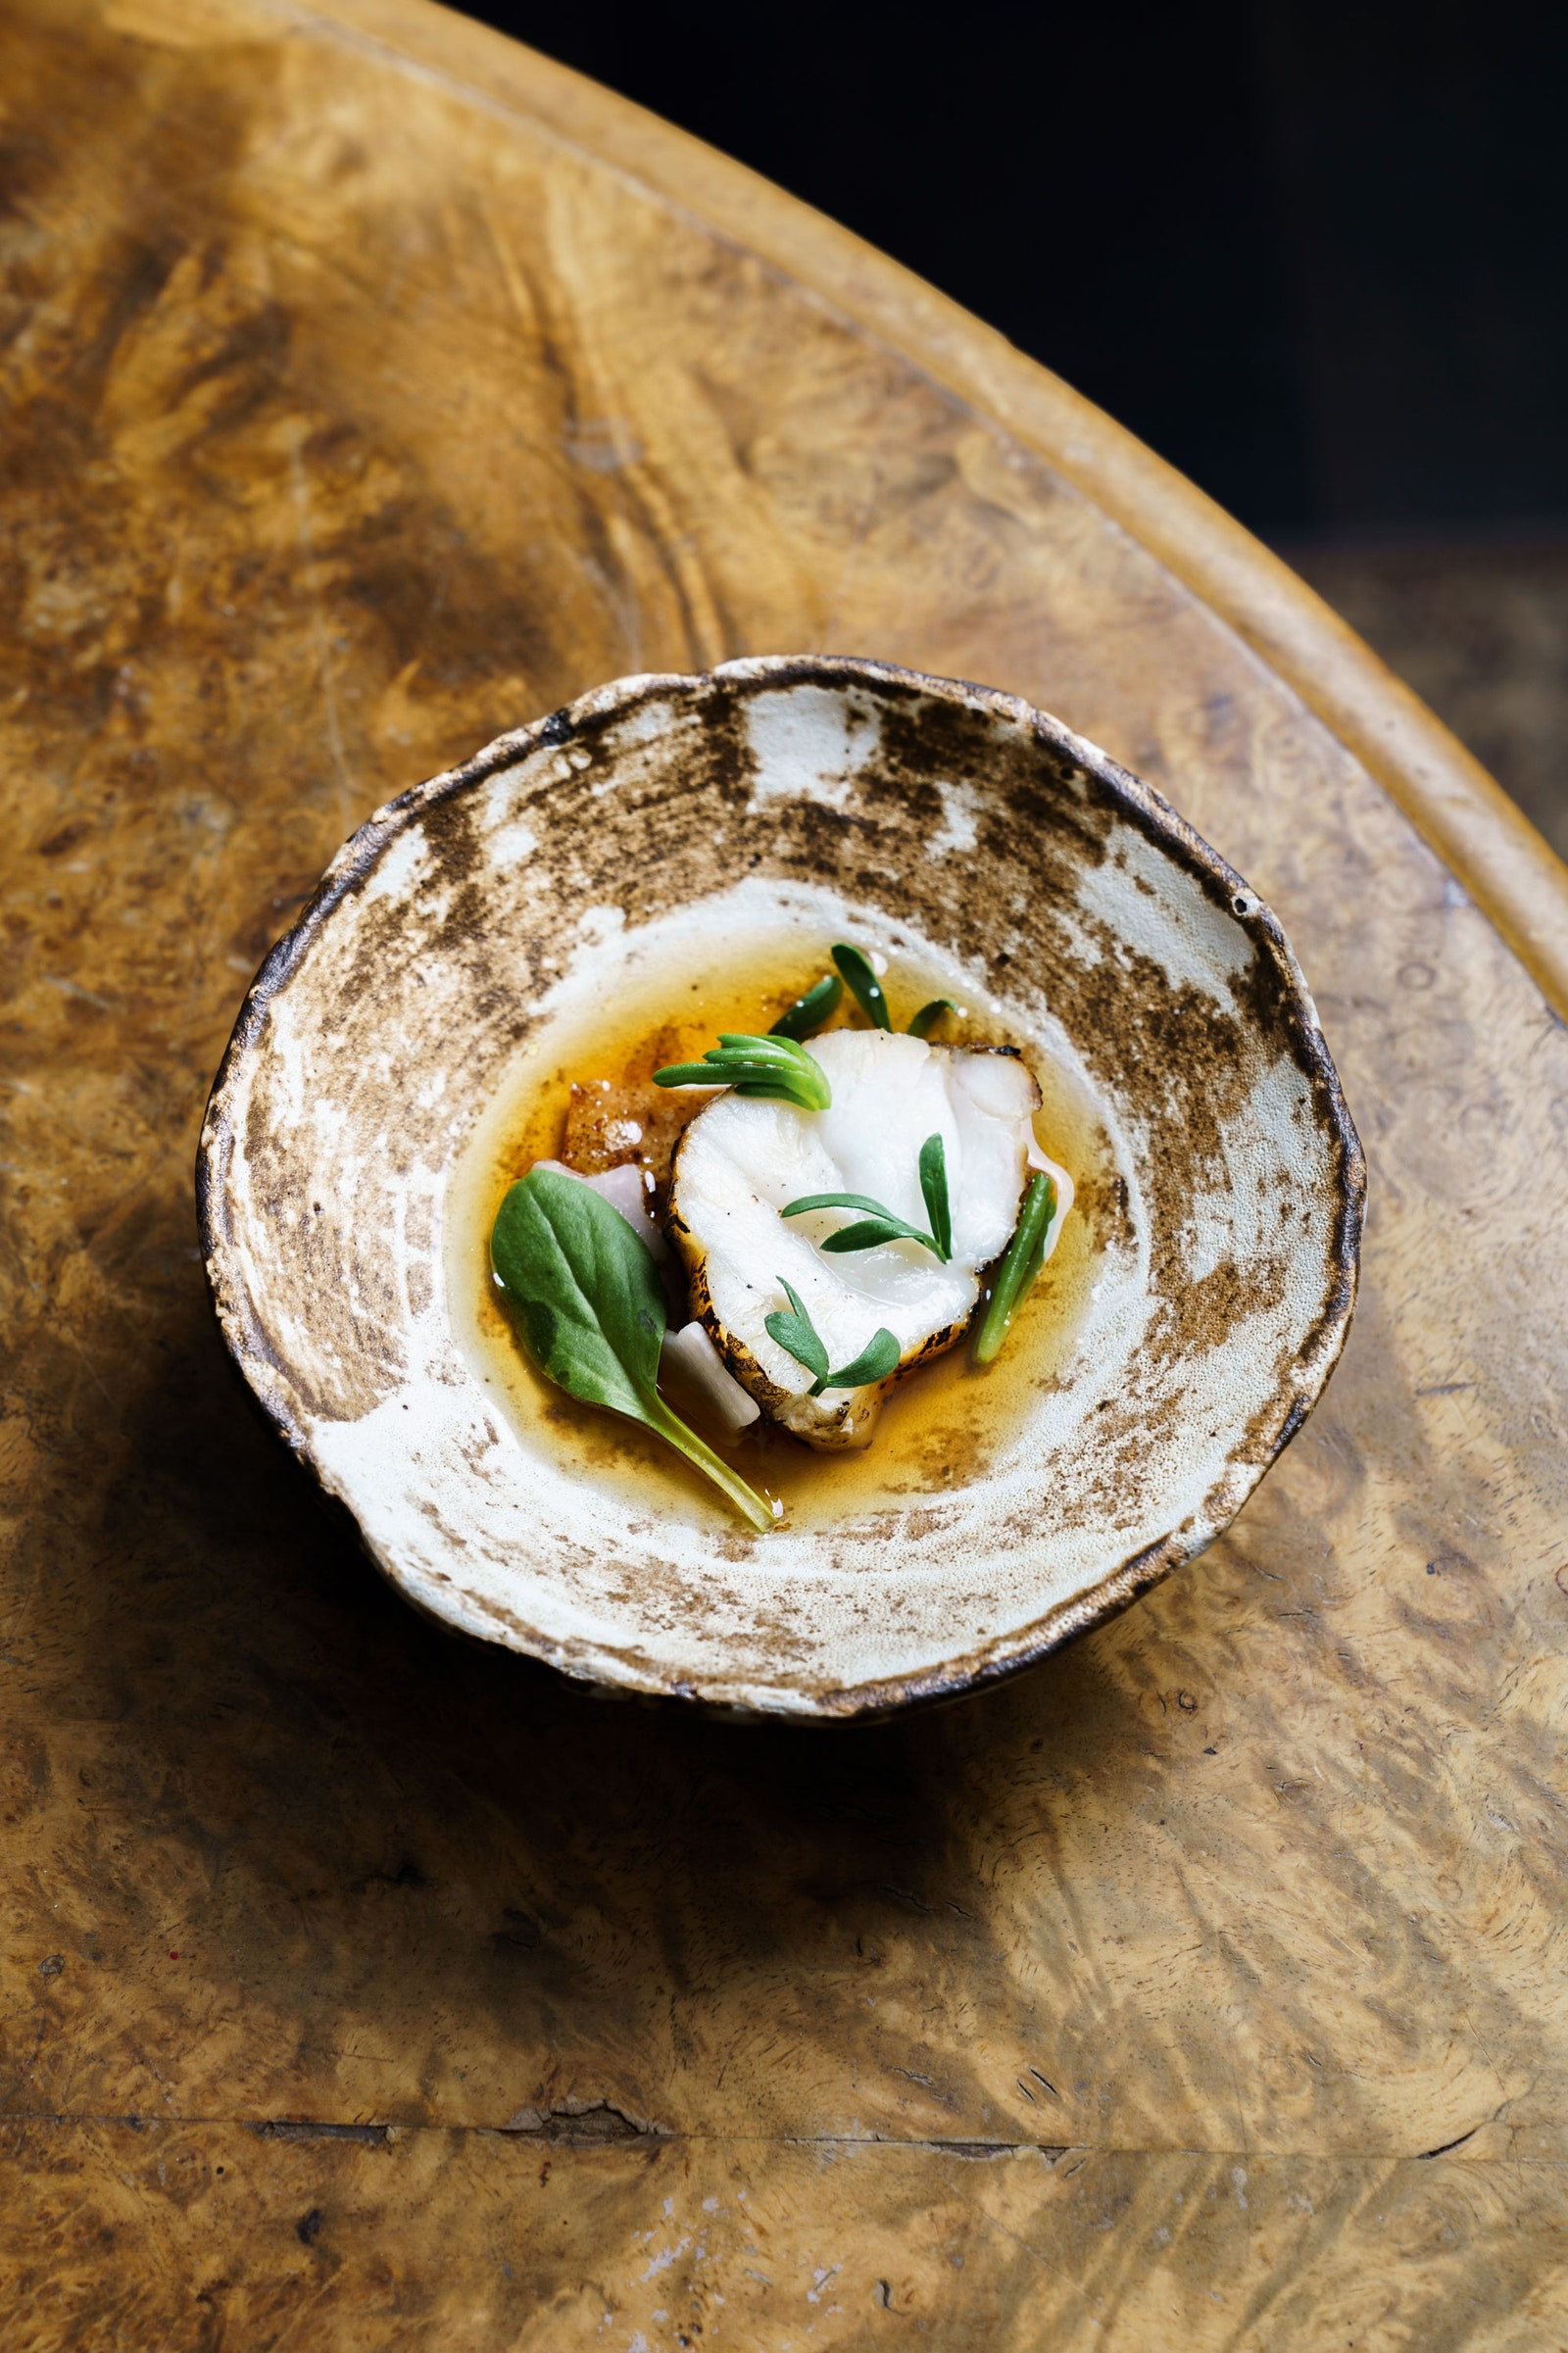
x: 1315, y: 252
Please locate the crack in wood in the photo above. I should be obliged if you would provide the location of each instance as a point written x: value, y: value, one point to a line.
x: 600, y: 2124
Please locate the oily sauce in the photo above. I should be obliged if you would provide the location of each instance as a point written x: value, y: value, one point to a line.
x: 942, y: 1426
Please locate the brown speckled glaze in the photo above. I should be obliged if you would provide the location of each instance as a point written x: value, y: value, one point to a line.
x: 381, y: 1025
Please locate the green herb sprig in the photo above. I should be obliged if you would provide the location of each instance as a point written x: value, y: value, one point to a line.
x: 808, y: 1013
x: 585, y: 1294
x: 870, y: 995
x: 1021, y: 1261
x: 863, y: 985
x: 799, y: 1337
x: 879, y: 1224
x: 776, y: 1067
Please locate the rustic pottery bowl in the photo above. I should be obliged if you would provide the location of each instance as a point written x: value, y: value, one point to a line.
x: 844, y: 798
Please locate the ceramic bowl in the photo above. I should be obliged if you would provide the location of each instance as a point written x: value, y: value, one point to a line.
x: 825, y: 798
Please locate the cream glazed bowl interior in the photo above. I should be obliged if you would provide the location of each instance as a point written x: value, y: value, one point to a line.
x: 462, y: 947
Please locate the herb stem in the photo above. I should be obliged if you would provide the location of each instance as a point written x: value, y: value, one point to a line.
x: 746, y: 1502
x: 1021, y: 1261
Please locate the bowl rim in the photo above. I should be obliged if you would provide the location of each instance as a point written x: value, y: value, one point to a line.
x: 1137, y: 800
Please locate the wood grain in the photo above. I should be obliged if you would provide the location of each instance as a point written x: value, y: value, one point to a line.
x: 355, y: 409
x: 1457, y: 807
x: 285, y: 2236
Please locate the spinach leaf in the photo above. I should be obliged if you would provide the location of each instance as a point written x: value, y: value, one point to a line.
x: 584, y: 1293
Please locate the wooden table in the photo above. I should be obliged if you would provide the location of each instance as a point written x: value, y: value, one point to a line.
x: 371, y: 385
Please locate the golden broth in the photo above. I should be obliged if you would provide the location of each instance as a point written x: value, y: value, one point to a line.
x: 943, y: 1425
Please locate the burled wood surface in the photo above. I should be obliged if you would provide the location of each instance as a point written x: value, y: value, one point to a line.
x: 349, y: 415
x: 476, y: 2240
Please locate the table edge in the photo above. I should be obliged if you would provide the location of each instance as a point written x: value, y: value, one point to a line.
x: 1511, y: 872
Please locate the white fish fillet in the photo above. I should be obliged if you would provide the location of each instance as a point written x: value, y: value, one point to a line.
x: 742, y: 1159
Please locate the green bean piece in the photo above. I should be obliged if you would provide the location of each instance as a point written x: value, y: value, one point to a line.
x: 1021, y: 1261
